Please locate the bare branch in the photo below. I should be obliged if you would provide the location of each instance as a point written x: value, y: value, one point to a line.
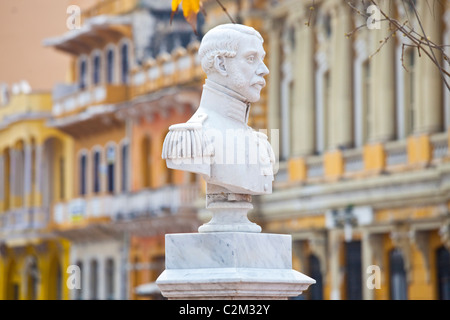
x: 226, y: 11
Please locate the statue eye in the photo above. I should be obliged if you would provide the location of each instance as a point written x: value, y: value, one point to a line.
x: 251, y: 59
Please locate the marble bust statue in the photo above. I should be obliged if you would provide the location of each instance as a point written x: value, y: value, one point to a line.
x: 216, y: 142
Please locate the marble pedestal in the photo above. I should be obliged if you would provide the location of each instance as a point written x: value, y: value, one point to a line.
x: 230, y: 265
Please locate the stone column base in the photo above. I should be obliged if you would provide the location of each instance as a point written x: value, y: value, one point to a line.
x: 230, y: 265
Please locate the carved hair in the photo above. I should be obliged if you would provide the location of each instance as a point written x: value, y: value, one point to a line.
x: 222, y: 41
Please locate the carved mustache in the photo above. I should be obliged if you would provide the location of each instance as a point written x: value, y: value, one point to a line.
x: 260, y: 82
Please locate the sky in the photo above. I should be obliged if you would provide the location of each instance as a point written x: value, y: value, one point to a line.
x: 24, y: 24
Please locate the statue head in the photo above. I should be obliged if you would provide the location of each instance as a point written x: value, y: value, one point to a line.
x: 232, y: 55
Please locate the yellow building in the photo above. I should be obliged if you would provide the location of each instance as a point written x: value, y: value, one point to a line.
x: 128, y: 85
x: 33, y: 162
x: 363, y: 185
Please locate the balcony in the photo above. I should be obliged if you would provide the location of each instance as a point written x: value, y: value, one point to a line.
x: 80, y: 100
x: 315, y: 168
x: 167, y: 200
x: 24, y: 219
x: 181, y: 67
x: 25, y: 106
x: 439, y: 147
x: 353, y: 162
x: 110, y: 7
x: 396, y: 155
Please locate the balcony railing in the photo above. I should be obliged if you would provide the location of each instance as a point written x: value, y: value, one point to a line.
x: 102, y: 94
x: 396, y: 153
x: 179, y: 67
x: 24, y: 218
x: 314, y: 167
x: 25, y: 104
x: 353, y: 161
x: 110, y: 7
x: 127, y: 206
x: 439, y: 145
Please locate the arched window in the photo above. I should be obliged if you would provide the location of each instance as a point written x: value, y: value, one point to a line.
x: 96, y: 172
x: 315, y: 292
x: 366, y: 97
x: 124, y: 170
x: 79, y: 292
x: 409, y: 61
x: 124, y: 63
x: 96, y: 62
x: 93, y: 281
x: 109, y: 271
x: 59, y: 283
x: 353, y: 270
x: 62, y: 181
x: 111, y: 160
x: 55, y: 282
x: 32, y: 278
x: 6, y: 179
x: 443, y: 273
x: 136, y: 273
x: 83, y: 174
x: 398, y: 283
x: 146, y: 156
x: 82, y: 74
x: 110, y: 66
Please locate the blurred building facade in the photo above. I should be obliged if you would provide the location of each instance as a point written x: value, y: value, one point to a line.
x: 363, y: 184
x: 364, y: 179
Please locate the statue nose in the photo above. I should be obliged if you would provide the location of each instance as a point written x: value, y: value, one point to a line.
x: 262, y: 70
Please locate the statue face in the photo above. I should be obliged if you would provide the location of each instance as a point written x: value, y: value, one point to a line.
x: 245, y: 72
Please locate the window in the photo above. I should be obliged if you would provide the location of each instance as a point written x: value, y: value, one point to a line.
x: 353, y: 269
x: 79, y: 292
x: 32, y: 278
x: 136, y: 273
x: 326, y: 108
x: 58, y: 282
x: 110, y: 66
x: 366, y: 107
x: 125, y: 168
x: 146, y: 171
x: 96, y: 72
x: 409, y: 92
x: 93, y: 280
x: 124, y: 63
x: 398, y: 284
x: 443, y: 273
x: 109, y: 279
x: 96, y: 171
x: 61, y: 178
x: 321, y: 108
x: 111, y: 159
x: 6, y: 179
x: 83, y: 174
x: 82, y: 75
x: 327, y: 26
x: 3, y: 174
x: 315, y: 292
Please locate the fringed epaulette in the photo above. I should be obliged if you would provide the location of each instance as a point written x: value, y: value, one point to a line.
x: 187, y: 140
x: 267, y: 156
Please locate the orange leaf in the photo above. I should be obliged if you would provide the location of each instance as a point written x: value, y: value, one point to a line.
x: 190, y: 11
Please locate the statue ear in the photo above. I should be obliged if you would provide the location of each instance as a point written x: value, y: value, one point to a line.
x: 219, y: 65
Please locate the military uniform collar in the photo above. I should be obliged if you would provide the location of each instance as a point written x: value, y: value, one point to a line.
x: 216, y: 97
